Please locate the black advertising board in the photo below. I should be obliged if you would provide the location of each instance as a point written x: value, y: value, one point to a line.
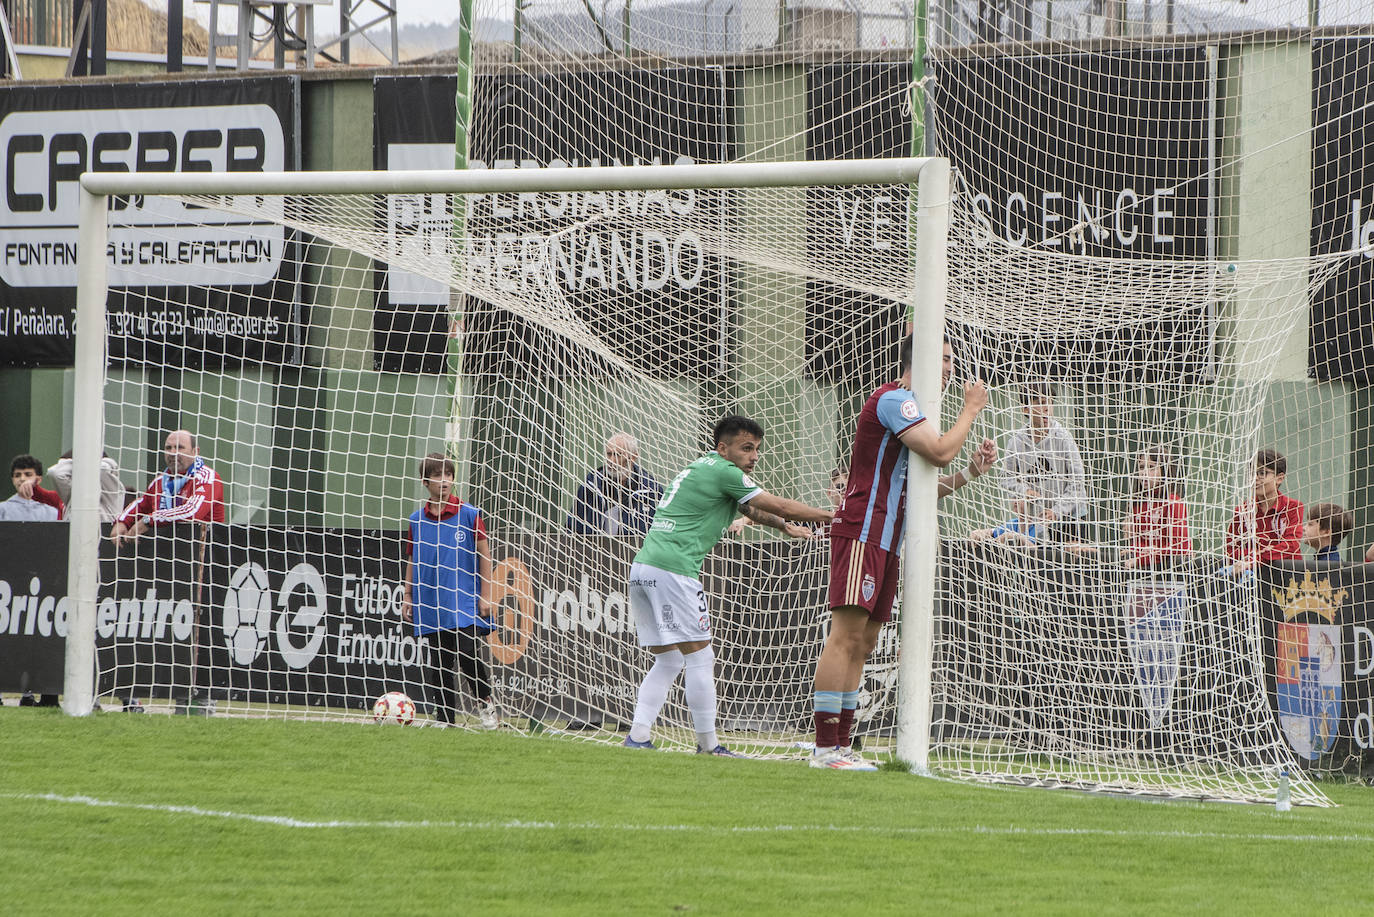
x: 150, y: 617
x: 643, y: 291
x: 33, y: 606
x: 1102, y: 154
x: 1115, y: 140
x: 202, y: 289
x: 856, y: 111
x: 309, y: 616
x: 312, y: 617
x: 1342, y: 332
x: 413, y: 128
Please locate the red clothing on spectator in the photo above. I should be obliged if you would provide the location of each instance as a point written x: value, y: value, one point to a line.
x: 1159, y: 530
x: 50, y: 498
x: 1278, y: 532
x: 201, y: 498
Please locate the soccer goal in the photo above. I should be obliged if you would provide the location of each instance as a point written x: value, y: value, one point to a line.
x: 582, y: 321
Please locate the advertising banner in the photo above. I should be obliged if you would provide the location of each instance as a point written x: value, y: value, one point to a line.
x: 1342, y: 339
x: 1319, y: 639
x: 1039, y: 139
x: 312, y: 617
x: 413, y: 128
x: 188, y: 286
x: 149, y: 618
x: 856, y: 111
x: 615, y: 272
x: 33, y: 606
x: 1101, y: 154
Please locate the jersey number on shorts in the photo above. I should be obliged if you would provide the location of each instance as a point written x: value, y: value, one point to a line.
x: 672, y: 488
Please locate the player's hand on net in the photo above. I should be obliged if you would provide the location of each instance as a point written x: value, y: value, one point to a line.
x: 975, y: 395
x: 985, y: 456
x: 798, y: 531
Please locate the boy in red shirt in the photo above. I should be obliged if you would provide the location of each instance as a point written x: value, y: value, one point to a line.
x: 1270, y: 527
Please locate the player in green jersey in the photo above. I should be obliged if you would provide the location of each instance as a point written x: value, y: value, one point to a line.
x: 666, y: 596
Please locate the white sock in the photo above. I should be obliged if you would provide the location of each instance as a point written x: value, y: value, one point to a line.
x: 699, y: 677
x: 653, y: 693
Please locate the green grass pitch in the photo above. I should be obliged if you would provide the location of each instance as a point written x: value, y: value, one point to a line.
x: 119, y: 814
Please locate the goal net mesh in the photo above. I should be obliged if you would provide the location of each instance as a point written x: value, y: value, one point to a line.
x: 1155, y: 256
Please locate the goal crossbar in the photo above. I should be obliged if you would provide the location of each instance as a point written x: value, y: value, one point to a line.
x: 477, y: 181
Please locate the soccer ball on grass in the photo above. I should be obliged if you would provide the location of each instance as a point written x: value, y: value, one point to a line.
x: 394, y: 707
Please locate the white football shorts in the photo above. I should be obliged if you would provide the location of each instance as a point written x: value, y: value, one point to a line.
x: 667, y: 607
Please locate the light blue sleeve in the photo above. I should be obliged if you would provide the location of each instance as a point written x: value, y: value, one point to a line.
x: 898, y: 410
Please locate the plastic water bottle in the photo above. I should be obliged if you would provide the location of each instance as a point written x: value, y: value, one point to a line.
x: 1283, y: 799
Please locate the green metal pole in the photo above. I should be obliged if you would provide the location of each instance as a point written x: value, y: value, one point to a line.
x: 462, y: 126
x: 918, y: 73
x: 918, y: 122
x: 464, y: 96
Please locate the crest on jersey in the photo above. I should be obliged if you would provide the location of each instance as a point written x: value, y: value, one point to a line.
x: 869, y: 587
x: 909, y: 409
x: 748, y: 481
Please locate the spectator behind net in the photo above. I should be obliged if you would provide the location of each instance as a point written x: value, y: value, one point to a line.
x: 187, y: 490
x: 113, y: 495
x: 617, y: 498
x: 31, y: 502
x: 1326, y: 527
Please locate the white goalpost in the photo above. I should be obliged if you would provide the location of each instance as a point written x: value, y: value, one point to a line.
x: 580, y: 308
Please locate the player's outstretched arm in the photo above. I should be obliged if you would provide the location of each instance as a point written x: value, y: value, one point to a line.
x: 941, y: 448
x: 785, y: 509
x: 773, y: 520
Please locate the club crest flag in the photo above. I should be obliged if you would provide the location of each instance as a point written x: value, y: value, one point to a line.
x: 1156, y: 611
x: 1309, y: 664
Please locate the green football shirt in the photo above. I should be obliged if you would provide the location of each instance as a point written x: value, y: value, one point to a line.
x: 695, y: 511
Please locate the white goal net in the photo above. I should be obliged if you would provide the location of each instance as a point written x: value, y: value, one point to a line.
x: 1158, y: 259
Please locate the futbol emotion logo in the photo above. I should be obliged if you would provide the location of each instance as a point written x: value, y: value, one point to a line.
x: 248, y: 606
x: 247, y: 618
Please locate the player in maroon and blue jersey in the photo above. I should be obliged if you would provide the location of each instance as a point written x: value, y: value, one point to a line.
x: 866, y: 540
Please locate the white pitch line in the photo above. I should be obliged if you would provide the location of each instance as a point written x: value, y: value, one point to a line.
x: 286, y: 821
